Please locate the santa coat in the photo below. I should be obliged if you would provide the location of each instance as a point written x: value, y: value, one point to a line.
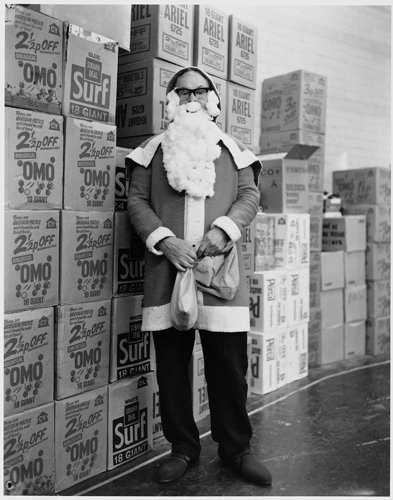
x: 156, y: 210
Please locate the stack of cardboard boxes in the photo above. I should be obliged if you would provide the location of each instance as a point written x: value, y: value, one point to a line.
x: 367, y: 191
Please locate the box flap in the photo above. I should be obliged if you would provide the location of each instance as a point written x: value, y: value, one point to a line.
x: 301, y: 152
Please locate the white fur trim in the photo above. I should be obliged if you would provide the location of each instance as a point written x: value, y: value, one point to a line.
x: 172, y: 101
x: 143, y: 156
x: 212, y: 104
x: 242, y: 159
x: 156, y: 236
x: 211, y: 318
x: 227, y: 225
x: 194, y: 219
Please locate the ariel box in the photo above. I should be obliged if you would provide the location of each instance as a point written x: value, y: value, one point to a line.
x: 82, y: 347
x: 240, y: 113
x: 33, y: 159
x: 28, y: 463
x: 86, y: 256
x: 34, y: 59
x: 81, y: 437
x: 90, y: 75
x: 90, y: 161
x: 242, y: 64
x: 130, y: 430
x: 131, y: 348
x: 28, y: 359
x: 31, y: 259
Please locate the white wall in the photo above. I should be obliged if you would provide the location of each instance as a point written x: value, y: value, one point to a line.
x: 350, y: 45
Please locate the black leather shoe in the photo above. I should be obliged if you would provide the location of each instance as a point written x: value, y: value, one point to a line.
x: 173, y: 467
x: 250, y: 469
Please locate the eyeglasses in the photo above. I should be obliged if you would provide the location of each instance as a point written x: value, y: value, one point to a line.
x: 198, y: 93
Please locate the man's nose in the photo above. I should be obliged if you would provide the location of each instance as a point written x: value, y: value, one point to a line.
x: 192, y: 97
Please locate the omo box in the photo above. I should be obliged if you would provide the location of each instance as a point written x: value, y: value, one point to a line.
x: 211, y: 40
x: 242, y: 57
x: 163, y: 31
x: 141, y: 97
x: 34, y: 59
x: 90, y: 163
x: 82, y: 347
x: 28, y: 359
x: 31, y: 259
x: 90, y: 75
x: 86, y: 256
x: 33, y: 159
x: 81, y: 437
x: 128, y: 258
x: 28, y: 463
x: 130, y: 347
x: 363, y: 186
x: 129, y: 419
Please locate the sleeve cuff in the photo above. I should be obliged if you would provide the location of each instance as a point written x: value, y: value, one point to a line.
x: 156, y: 236
x: 227, y: 225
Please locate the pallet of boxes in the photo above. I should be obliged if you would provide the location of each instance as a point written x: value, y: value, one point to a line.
x: 366, y: 192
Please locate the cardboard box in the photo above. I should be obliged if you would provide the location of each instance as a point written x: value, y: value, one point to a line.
x: 162, y: 31
x: 315, y: 279
x: 90, y: 163
x: 130, y: 419
x: 295, y: 100
x: 355, y: 268
x: 284, y: 181
x: 31, y: 259
x: 28, y: 468
x: 314, y: 349
x: 263, y: 362
x: 86, y: 256
x: 378, y: 298
x: 378, y: 261
x: 263, y: 301
x: 141, y: 98
x: 315, y: 323
x: 112, y: 22
x: 278, y: 142
x: 332, y: 344
x: 315, y: 203
x: 122, y: 179
x: 297, y: 363
x: 378, y: 224
x: 33, y: 160
x: 354, y: 339
x: 304, y: 241
x: 132, y: 142
x: 211, y: 40
x: 344, y: 233
x: 355, y: 308
x: 363, y: 186
x: 221, y: 86
x: 90, y: 75
x: 34, y: 58
x: 81, y: 437
x: 82, y: 347
x: 248, y: 248
x: 156, y: 412
x: 28, y: 359
x: 130, y: 348
x: 332, y: 270
x: 316, y: 224
x: 282, y: 358
x: 298, y: 296
x: 378, y: 335
x: 282, y: 298
x: 265, y: 241
x: 128, y: 258
x: 242, y: 55
x: 240, y: 115
x: 200, y: 398
x: 332, y: 307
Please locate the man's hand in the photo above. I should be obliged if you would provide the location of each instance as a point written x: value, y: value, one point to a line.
x: 181, y: 253
x: 213, y: 243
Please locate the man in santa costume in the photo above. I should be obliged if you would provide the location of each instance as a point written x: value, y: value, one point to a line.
x: 193, y: 190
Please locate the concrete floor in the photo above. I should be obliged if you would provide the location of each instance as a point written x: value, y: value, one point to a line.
x: 326, y: 435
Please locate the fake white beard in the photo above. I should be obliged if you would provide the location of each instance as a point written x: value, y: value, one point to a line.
x: 189, y: 150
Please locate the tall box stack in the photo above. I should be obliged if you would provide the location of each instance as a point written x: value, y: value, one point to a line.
x: 33, y: 174
x: 347, y: 236
x: 279, y: 300
x: 367, y: 192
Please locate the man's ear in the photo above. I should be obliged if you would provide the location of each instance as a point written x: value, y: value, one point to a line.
x: 212, y: 104
x: 172, y: 102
